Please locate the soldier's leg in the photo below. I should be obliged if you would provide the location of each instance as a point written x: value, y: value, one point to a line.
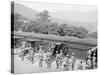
x: 50, y: 64
x: 73, y: 66
x: 47, y: 64
x: 60, y: 62
x: 32, y: 58
x: 40, y: 63
x: 64, y: 67
x: 57, y: 63
x: 22, y: 56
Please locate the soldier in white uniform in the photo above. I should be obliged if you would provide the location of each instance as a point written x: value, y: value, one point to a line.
x: 48, y: 57
x: 94, y: 64
x: 88, y: 60
x: 31, y: 54
x: 66, y: 62
x: 70, y: 64
x: 80, y: 66
x: 73, y: 60
x: 57, y: 60
x: 89, y: 53
x: 88, y: 63
x: 22, y: 50
x: 61, y: 56
x: 40, y: 57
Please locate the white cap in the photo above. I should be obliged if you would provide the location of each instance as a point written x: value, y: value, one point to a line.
x: 94, y: 54
x: 67, y: 55
x: 73, y: 53
x: 89, y: 52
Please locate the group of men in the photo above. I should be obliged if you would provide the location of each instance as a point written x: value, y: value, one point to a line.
x: 69, y: 61
x: 27, y: 50
x: 44, y: 56
x: 59, y: 58
x: 66, y: 61
x: 91, y: 58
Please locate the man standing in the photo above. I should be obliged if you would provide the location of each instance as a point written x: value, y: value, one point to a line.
x: 88, y: 60
x: 22, y: 50
x: 89, y: 53
x: 40, y: 57
x: 73, y: 60
x: 80, y: 66
x: 66, y: 64
x: 48, y: 59
x: 94, y: 64
x: 88, y: 63
x: 61, y: 56
x: 57, y: 60
x: 31, y: 54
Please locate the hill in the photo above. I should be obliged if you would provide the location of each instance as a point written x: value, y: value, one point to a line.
x: 74, y: 18
x: 25, y: 11
x: 87, y: 20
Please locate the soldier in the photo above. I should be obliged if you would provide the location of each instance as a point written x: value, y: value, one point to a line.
x: 88, y: 63
x: 31, y: 54
x: 48, y: 59
x: 41, y: 57
x: 80, y: 66
x: 89, y: 53
x: 73, y: 60
x: 94, y: 64
x: 22, y: 51
x: 66, y: 64
x: 88, y: 60
x: 70, y: 64
x: 61, y: 56
x: 57, y: 60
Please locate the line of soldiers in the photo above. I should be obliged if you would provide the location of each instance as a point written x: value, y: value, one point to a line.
x: 27, y: 50
x: 44, y: 56
x: 60, y: 58
x: 91, y: 58
x: 69, y: 60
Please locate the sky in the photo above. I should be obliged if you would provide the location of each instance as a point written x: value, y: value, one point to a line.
x: 80, y: 13
x: 51, y: 7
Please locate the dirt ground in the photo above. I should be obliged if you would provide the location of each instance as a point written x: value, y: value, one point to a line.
x: 27, y: 67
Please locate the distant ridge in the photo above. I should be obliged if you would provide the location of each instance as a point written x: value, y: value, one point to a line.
x: 56, y: 17
x: 25, y: 11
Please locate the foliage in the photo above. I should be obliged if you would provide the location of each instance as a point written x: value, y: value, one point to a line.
x: 42, y: 24
x: 93, y: 35
x: 17, y: 22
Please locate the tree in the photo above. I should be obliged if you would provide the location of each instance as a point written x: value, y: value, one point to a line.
x: 17, y: 22
x: 61, y: 32
x: 43, y: 16
x: 52, y: 28
x: 81, y: 32
x: 43, y: 22
x: 93, y: 35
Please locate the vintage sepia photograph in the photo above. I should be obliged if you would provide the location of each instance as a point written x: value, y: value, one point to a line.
x: 49, y: 37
